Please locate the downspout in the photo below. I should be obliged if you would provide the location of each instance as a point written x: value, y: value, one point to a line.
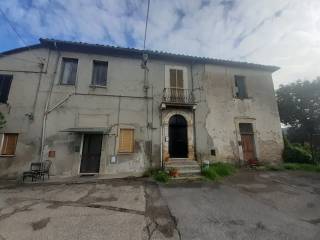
x: 161, y: 140
x: 194, y: 114
x: 145, y: 89
x: 117, y: 133
x: 152, y: 127
x: 31, y: 116
x: 45, y: 114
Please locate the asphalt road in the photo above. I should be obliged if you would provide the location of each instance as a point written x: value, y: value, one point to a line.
x: 114, y: 209
x: 250, y: 205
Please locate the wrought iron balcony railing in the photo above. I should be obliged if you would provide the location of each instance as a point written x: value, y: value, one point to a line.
x: 178, y: 96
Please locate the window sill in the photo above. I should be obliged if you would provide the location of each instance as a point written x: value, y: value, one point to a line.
x: 97, y: 86
x: 1, y: 155
x: 125, y: 153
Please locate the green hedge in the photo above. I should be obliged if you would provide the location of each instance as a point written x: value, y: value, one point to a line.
x: 296, y: 153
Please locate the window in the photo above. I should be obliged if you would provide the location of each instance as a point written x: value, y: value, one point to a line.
x: 241, y: 91
x: 176, y: 78
x: 246, y: 128
x: 69, y: 71
x: 5, y: 83
x: 9, y: 144
x: 99, y: 73
x: 126, y: 141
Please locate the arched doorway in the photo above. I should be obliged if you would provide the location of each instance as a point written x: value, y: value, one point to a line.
x: 178, y: 137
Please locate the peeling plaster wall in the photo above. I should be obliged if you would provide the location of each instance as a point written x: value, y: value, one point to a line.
x: 225, y: 112
x: 215, y: 119
x: 125, y: 79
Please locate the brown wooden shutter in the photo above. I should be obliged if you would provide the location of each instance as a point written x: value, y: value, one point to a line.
x: 126, y: 141
x: 179, y: 79
x: 173, y: 82
x: 9, y: 144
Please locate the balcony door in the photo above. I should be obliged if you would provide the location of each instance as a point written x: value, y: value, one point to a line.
x: 176, y: 85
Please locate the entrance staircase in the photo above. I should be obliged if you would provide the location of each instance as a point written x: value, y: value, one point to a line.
x: 186, y: 168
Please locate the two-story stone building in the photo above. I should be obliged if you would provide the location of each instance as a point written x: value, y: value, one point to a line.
x: 109, y: 110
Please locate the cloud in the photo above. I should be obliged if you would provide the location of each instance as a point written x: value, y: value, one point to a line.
x: 278, y: 32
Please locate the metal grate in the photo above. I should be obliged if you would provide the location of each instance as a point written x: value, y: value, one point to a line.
x: 177, y: 95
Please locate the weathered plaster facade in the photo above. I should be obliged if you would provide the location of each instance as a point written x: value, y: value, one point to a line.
x: 131, y: 100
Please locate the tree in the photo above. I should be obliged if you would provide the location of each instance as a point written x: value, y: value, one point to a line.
x: 2, y: 120
x: 299, y: 108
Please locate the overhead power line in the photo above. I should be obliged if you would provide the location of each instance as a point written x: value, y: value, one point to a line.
x: 18, y: 35
x: 146, y: 27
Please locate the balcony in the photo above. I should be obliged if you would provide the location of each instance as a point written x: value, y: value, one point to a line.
x: 174, y: 96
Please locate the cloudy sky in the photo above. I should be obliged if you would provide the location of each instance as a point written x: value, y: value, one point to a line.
x: 285, y: 33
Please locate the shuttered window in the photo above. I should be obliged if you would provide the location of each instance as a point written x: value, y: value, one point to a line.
x: 126, y: 141
x: 69, y: 71
x: 5, y: 83
x: 9, y: 144
x: 99, y: 74
x: 176, y: 78
x: 240, y: 84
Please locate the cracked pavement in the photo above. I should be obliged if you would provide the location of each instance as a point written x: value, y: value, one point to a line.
x: 249, y: 205
x: 114, y: 209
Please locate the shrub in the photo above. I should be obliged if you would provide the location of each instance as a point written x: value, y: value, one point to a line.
x: 217, y: 170
x: 161, y: 176
x: 296, y: 153
x: 210, y: 173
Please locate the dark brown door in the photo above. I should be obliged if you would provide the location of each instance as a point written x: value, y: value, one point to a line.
x: 178, y: 137
x: 248, y: 147
x: 91, y: 152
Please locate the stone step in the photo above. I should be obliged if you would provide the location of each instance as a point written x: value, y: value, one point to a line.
x: 186, y: 168
x: 182, y: 166
x: 182, y: 162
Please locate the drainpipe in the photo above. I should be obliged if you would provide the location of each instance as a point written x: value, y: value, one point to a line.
x: 46, y: 108
x: 161, y: 140
x: 194, y: 115
x: 31, y: 115
x: 117, y: 133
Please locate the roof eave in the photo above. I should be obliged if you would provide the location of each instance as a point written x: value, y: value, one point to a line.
x: 136, y: 53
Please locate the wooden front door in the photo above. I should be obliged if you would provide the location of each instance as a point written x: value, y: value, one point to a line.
x: 91, y: 152
x: 248, y: 149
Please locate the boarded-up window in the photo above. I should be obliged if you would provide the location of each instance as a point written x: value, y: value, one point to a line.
x: 69, y: 71
x: 99, y: 74
x: 9, y: 144
x: 240, y: 84
x: 176, y: 78
x: 126, y: 141
x: 5, y: 83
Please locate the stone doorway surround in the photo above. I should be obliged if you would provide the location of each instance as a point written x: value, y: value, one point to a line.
x: 166, y: 115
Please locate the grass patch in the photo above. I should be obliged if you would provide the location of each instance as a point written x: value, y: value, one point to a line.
x: 218, y: 170
x: 302, y: 166
x: 160, y: 176
x: 294, y: 166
